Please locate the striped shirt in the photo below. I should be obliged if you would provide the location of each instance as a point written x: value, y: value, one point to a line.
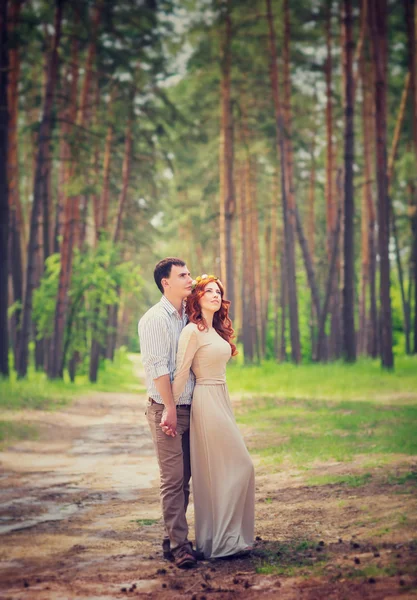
x: 159, y: 331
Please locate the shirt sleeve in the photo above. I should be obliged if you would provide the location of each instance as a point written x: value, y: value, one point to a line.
x: 154, y: 347
x: 187, y: 347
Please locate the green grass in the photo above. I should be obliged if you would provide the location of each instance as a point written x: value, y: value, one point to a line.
x: 9, y: 431
x: 289, y: 559
x: 364, y: 380
x: 37, y: 392
x: 304, y: 431
x: 410, y: 478
x: 145, y: 521
x: 352, y: 481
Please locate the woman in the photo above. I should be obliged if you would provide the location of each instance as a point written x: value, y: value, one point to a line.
x: 222, y: 470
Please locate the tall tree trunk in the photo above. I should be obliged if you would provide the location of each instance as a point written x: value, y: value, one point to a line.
x: 411, y: 26
x: 112, y: 328
x: 113, y: 310
x: 68, y: 118
x: 227, y: 192
x: 284, y: 303
x: 311, y: 233
x: 249, y: 318
x: 378, y: 29
x: 365, y: 224
x: 287, y: 193
x: 413, y: 203
x: 391, y: 164
x: 71, y: 221
x: 16, y: 224
x: 238, y: 264
x: 330, y: 185
x: 371, y: 338
x: 250, y: 257
x: 256, y: 263
x: 414, y: 267
x: 105, y: 195
x: 44, y: 138
x: 4, y: 189
x: 365, y: 258
x: 125, y: 180
x: 321, y: 337
x: 96, y: 343
x: 274, y: 259
x: 349, y: 342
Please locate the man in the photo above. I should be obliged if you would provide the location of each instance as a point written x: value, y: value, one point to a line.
x: 159, y: 331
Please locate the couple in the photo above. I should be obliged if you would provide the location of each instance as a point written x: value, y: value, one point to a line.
x: 185, y: 343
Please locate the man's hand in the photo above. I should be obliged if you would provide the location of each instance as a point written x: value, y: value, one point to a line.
x: 169, y: 416
x: 169, y: 421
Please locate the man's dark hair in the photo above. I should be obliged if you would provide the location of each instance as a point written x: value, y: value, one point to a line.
x: 163, y: 270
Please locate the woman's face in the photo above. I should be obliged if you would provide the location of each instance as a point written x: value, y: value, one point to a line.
x: 211, y: 300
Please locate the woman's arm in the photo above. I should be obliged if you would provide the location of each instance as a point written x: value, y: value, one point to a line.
x: 187, y: 347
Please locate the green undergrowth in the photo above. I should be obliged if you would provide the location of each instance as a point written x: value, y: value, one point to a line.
x: 304, y: 431
x: 37, y: 392
x: 354, y: 480
x: 350, y: 480
x: 363, y: 380
x: 288, y: 558
x: 307, y: 558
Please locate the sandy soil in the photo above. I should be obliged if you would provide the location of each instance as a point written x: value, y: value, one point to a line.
x: 80, y: 518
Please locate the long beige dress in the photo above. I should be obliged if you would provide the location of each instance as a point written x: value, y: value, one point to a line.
x: 222, y: 471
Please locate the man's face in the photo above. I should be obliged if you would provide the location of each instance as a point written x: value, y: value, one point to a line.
x: 179, y: 282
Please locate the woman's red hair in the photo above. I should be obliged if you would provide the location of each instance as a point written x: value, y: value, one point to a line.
x: 221, y: 320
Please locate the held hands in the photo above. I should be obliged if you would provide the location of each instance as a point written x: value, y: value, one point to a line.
x: 169, y: 421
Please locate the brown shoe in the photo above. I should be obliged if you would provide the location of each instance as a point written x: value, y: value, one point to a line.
x: 183, y: 557
x: 196, y: 553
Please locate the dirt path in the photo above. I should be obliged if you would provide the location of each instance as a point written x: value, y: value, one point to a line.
x: 80, y: 518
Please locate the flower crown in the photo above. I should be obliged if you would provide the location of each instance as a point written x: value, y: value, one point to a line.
x: 200, y: 278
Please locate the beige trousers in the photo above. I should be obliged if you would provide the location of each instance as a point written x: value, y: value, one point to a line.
x: 173, y: 454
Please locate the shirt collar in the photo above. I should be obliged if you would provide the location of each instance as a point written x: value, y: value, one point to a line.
x: 170, y: 308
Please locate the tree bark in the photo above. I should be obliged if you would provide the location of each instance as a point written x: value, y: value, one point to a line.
x: 284, y: 302
x: 274, y: 258
x: 125, y: 180
x: 16, y: 224
x: 4, y: 189
x: 245, y: 269
x: 321, y: 337
x: 105, y: 196
x: 378, y: 29
x: 391, y: 163
x: 227, y: 192
x: 68, y: 118
x: 371, y: 333
x: 287, y: 195
x: 249, y: 320
x: 71, y: 222
x: 411, y: 26
x: 349, y: 342
x: 44, y: 137
x: 330, y: 188
x: 256, y: 263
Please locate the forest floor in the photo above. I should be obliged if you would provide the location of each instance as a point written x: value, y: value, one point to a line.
x: 80, y: 518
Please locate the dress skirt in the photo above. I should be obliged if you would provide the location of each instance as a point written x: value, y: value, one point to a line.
x: 222, y: 475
